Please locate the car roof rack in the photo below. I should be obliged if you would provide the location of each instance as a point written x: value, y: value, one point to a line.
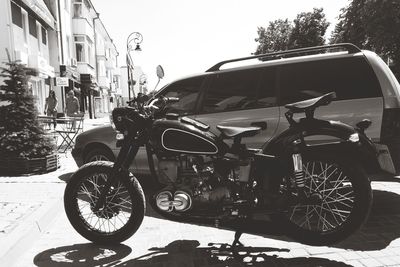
x: 351, y: 48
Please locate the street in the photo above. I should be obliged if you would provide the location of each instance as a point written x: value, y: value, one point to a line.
x: 49, y: 240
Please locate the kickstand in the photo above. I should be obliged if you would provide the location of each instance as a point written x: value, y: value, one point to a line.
x: 236, y: 242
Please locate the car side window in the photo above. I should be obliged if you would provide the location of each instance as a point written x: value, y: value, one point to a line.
x: 267, y: 96
x: 187, y: 91
x: 234, y: 90
x: 350, y: 78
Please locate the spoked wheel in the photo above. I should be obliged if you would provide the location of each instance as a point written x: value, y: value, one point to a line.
x: 336, y: 201
x: 121, y: 214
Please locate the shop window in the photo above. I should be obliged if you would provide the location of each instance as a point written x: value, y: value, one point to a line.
x: 16, y: 14
x: 32, y: 26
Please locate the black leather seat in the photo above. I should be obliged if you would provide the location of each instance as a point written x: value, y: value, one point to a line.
x: 231, y: 131
x: 312, y: 103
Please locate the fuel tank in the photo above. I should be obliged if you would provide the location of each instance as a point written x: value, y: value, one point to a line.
x: 185, y: 135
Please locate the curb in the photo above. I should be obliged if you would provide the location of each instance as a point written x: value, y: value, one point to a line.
x: 24, y: 235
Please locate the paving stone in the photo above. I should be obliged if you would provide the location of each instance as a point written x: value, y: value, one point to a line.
x: 370, y: 262
x: 355, y: 263
x: 389, y: 261
x: 350, y: 255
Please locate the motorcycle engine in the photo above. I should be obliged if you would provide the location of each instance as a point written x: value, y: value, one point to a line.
x: 191, y: 181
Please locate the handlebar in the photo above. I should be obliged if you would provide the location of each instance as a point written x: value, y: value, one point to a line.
x: 155, y: 105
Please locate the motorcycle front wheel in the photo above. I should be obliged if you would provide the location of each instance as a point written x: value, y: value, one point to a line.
x: 340, y: 201
x: 123, y: 210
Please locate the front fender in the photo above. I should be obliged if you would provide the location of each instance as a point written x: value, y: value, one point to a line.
x: 363, y: 151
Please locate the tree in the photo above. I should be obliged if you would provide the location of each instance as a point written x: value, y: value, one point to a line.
x: 20, y: 132
x: 373, y: 25
x: 309, y: 29
x: 274, y: 38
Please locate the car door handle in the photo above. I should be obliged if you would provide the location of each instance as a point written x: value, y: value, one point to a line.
x: 261, y: 124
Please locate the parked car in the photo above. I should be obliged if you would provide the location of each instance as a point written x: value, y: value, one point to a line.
x: 256, y: 94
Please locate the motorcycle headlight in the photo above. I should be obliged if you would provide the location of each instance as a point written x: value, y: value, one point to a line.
x: 119, y: 136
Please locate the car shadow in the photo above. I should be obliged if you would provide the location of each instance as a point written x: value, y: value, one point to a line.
x: 177, y: 253
x: 82, y: 255
x: 382, y: 226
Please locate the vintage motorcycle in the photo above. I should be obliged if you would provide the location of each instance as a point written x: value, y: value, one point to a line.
x: 317, y: 194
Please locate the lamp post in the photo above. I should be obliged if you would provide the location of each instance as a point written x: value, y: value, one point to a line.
x: 142, y: 82
x: 137, y: 39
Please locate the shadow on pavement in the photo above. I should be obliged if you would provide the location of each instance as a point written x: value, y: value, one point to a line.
x: 382, y: 226
x: 188, y: 253
x: 177, y: 253
x: 65, y: 177
x: 82, y: 255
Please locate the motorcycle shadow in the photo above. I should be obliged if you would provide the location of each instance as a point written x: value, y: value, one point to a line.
x: 82, y: 255
x: 189, y: 253
x: 177, y: 253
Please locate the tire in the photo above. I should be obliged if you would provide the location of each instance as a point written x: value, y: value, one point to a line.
x: 123, y: 212
x: 345, y: 202
x: 99, y: 154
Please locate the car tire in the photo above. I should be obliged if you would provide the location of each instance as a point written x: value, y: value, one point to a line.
x: 97, y: 154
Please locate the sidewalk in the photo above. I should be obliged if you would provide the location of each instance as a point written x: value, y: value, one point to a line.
x: 29, y: 203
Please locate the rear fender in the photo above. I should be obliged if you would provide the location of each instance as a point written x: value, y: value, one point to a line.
x: 362, y: 152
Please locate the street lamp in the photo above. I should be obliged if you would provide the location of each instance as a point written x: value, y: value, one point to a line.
x: 142, y: 82
x: 137, y: 39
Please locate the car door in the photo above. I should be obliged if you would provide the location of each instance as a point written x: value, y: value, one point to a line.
x: 242, y: 97
x: 350, y: 77
x: 187, y: 91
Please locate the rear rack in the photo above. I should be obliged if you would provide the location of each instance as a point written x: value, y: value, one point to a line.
x: 351, y: 48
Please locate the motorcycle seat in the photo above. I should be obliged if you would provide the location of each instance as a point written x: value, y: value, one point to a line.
x: 312, y: 103
x: 233, y: 131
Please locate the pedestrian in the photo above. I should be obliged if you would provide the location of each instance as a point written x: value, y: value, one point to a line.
x: 72, y: 105
x: 50, y: 108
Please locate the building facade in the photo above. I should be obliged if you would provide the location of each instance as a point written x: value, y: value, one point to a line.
x: 69, y: 47
x: 25, y: 29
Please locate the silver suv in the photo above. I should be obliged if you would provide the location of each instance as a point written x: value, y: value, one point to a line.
x: 256, y: 94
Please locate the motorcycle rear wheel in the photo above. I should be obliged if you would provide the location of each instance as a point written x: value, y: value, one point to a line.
x: 344, y: 193
x: 123, y: 210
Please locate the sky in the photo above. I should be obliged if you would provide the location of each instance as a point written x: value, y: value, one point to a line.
x: 187, y: 37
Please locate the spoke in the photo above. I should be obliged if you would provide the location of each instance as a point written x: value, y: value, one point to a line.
x: 331, y: 212
x: 326, y: 178
x: 95, y: 185
x: 338, y: 188
x: 335, y: 188
x: 333, y: 215
x: 294, y: 210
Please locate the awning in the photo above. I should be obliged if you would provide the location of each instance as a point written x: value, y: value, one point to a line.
x: 41, y: 10
x: 89, y: 81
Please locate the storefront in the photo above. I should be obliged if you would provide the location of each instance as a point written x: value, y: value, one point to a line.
x: 89, y: 90
x: 73, y: 83
x: 40, y: 84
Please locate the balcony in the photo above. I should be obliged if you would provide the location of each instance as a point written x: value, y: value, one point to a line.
x: 103, y: 81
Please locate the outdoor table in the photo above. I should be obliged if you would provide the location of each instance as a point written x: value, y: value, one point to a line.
x: 68, y: 128
x: 46, y: 121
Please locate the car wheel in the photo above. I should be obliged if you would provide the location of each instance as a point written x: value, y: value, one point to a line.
x: 98, y: 154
